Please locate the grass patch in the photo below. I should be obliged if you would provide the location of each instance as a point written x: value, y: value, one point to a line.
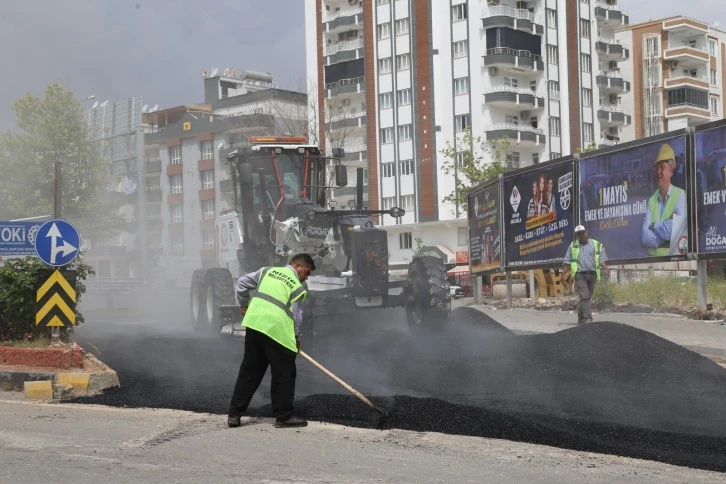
x: 37, y: 343
x: 662, y: 293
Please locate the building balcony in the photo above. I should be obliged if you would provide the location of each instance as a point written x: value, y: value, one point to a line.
x: 611, y: 50
x: 512, y: 60
x: 516, y: 97
x: 685, y: 26
x: 511, y: 17
x: 610, y: 15
x: 153, y: 194
x: 348, y: 45
x: 353, y: 145
x: 684, y: 80
x: 685, y: 54
x: 226, y: 186
x: 520, y: 134
x: 613, y: 116
x: 346, y: 87
x: 696, y: 114
x: 334, y: 21
x: 203, y: 165
x: 153, y: 165
x: 612, y: 82
x: 348, y: 121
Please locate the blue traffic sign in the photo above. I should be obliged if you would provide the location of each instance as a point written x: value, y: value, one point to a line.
x: 17, y: 239
x: 57, y: 243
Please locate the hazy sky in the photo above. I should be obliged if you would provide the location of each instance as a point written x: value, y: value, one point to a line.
x: 157, y: 48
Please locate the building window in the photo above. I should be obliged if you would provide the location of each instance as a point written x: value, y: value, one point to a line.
x: 688, y: 97
x: 408, y: 203
x: 176, y: 213
x: 714, y: 77
x: 208, y: 209
x: 388, y: 202
x: 461, y: 49
x: 386, y: 135
x: 382, y: 2
x: 177, y: 244
x: 511, y: 81
x: 208, y: 240
x: 584, y: 28
x: 511, y: 119
x: 385, y: 100
x: 586, y: 97
x: 512, y: 160
x: 586, y: 62
x: 712, y: 47
x: 403, y: 62
x: 207, y: 149
x: 404, y: 132
x: 461, y: 159
x: 461, y: 85
x: 388, y: 169
x: 405, y: 239
x: 535, y: 158
x: 588, y: 132
x: 554, y: 126
x: 384, y: 65
x: 207, y: 179
x: 175, y: 155
x: 462, y: 122
x: 175, y: 184
x: 404, y: 97
x: 462, y: 236
x: 714, y: 105
x: 554, y: 90
x: 554, y: 155
x: 553, y: 56
x: 406, y: 167
x: 551, y: 18
x: 402, y: 26
x: 459, y: 12
x: 384, y: 31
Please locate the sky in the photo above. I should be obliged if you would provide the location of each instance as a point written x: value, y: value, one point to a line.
x: 157, y: 49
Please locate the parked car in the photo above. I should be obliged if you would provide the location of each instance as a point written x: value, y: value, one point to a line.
x: 456, y: 292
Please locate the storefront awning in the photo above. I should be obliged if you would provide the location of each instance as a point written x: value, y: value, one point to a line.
x: 458, y: 271
x: 442, y: 252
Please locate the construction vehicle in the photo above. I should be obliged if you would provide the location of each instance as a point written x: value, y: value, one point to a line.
x: 282, y: 207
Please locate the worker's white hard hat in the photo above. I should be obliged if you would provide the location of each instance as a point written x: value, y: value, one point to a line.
x: 580, y: 228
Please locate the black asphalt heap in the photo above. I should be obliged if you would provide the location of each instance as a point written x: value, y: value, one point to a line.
x: 603, y: 387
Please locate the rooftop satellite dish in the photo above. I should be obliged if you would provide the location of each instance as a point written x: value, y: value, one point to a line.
x: 95, y: 105
x: 226, y: 72
x: 155, y: 108
x: 716, y: 24
x: 215, y: 71
x: 145, y: 108
x: 104, y: 103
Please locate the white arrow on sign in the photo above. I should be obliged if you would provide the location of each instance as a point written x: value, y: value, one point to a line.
x: 64, y: 249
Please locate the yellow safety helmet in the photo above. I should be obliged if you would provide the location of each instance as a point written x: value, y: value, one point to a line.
x: 666, y: 153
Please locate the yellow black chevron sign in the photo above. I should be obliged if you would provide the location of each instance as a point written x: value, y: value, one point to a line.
x: 55, y: 302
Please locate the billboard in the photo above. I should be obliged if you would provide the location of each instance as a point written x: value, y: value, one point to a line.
x: 538, y: 211
x: 634, y: 200
x: 485, y: 250
x: 710, y: 181
x: 17, y: 239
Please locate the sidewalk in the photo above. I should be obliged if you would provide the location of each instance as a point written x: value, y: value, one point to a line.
x: 705, y: 337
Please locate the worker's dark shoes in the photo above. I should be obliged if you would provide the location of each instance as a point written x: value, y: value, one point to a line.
x: 234, y: 421
x: 290, y: 422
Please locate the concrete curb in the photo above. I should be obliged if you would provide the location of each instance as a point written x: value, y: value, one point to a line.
x: 47, y: 384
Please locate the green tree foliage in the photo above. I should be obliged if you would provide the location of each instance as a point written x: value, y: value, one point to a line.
x: 19, y: 279
x: 591, y: 147
x: 472, y: 161
x: 53, y: 128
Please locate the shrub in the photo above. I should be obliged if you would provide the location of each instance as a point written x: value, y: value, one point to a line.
x: 19, y: 280
x: 604, y: 296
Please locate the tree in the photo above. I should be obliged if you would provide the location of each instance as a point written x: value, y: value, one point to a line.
x: 591, y: 147
x: 52, y: 128
x: 472, y: 161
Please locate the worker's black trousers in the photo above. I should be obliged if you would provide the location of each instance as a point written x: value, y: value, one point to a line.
x: 262, y: 351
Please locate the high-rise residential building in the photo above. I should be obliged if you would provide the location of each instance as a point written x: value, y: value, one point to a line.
x: 416, y: 74
x: 677, y: 72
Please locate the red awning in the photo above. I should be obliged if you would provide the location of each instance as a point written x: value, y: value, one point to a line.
x: 458, y: 270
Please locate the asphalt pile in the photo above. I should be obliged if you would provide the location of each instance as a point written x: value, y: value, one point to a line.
x: 603, y: 387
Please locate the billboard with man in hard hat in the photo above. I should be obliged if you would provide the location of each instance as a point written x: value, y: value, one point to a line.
x: 634, y: 199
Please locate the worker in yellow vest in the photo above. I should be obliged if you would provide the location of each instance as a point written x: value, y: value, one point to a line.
x: 667, y: 201
x: 272, y: 338
x: 586, y: 258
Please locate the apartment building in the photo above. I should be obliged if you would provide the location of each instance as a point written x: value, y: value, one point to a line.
x: 186, y: 182
x: 677, y: 73
x: 542, y: 73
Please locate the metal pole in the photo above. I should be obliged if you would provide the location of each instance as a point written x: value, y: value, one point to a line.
x: 701, y: 280
x: 532, y: 294
x: 57, y: 213
x: 476, y: 287
x: 509, y: 289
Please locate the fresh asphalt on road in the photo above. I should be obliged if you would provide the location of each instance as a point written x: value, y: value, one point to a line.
x: 606, y: 387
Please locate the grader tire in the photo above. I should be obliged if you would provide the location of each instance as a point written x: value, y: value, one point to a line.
x: 429, y: 304
x: 220, y: 291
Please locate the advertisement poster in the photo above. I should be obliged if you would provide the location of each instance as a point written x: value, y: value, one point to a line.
x: 17, y: 239
x: 711, y: 190
x: 485, y: 252
x: 538, y: 215
x: 634, y: 200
